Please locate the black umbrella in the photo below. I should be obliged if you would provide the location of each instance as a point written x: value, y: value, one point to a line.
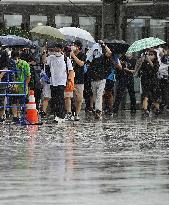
x: 117, y: 46
x: 15, y: 41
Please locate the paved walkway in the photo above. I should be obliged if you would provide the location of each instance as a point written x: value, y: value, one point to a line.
x: 114, y: 161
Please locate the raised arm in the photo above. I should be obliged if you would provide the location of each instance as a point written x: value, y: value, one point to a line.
x: 77, y: 60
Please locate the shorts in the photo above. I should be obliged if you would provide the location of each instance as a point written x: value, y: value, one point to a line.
x: 46, y: 91
x: 109, y: 87
x: 79, y: 88
x: 68, y: 94
x: 151, y: 91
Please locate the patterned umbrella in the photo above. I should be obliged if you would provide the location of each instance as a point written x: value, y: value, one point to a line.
x: 144, y: 44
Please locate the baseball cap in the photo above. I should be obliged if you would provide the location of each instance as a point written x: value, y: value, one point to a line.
x: 78, y: 43
x: 58, y: 45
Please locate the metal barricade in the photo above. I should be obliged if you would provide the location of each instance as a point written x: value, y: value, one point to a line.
x: 8, y: 95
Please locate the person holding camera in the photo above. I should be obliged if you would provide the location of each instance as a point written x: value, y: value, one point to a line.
x: 78, y: 59
x: 125, y: 80
x: 149, y: 81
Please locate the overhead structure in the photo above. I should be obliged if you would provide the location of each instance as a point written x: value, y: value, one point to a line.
x: 111, y: 19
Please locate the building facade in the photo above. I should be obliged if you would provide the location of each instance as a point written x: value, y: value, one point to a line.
x: 129, y: 20
x: 56, y: 13
x: 147, y: 18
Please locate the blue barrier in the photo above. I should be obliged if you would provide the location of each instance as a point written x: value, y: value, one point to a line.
x: 8, y: 94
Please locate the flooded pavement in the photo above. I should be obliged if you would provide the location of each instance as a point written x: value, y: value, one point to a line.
x: 116, y: 161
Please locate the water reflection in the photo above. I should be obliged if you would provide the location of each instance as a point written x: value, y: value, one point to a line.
x: 120, y: 161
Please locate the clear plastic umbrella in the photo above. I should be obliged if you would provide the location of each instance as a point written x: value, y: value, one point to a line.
x: 73, y: 33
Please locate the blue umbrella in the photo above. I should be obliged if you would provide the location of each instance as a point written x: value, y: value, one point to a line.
x: 12, y: 41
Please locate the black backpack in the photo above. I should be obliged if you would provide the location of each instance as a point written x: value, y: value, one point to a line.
x: 35, y: 77
x: 100, y: 68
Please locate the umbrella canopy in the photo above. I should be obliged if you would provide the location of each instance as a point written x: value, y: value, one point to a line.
x: 117, y: 46
x: 89, y: 54
x: 13, y: 41
x: 73, y: 33
x: 144, y: 44
x: 48, y: 32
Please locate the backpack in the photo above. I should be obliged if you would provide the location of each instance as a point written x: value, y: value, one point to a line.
x: 98, y: 68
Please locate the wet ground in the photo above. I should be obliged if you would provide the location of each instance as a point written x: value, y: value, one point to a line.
x: 116, y: 161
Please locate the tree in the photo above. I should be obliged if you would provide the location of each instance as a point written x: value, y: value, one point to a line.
x: 15, y: 31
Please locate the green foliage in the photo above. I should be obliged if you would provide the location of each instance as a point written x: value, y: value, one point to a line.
x: 16, y: 31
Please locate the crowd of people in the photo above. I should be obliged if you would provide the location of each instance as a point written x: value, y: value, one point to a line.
x: 63, y: 76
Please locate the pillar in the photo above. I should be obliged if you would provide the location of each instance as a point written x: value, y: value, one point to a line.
x: 98, y: 28
x: 75, y: 20
x: 2, y: 24
x: 51, y: 20
x: 25, y: 21
x: 111, y: 19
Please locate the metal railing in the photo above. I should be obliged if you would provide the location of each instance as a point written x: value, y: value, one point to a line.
x: 6, y: 87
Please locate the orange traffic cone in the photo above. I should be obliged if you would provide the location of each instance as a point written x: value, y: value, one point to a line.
x: 31, y: 111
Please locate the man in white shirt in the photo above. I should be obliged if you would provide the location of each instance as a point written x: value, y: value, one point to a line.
x: 59, y: 78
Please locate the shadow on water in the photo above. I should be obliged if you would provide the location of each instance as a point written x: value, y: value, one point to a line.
x: 116, y: 161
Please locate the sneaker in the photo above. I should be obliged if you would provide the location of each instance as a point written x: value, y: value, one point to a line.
x: 157, y: 112
x: 56, y: 120
x: 89, y: 110
x: 60, y: 120
x: 42, y: 114
x: 108, y: 111
x: 76, y: 118
x: 133, y: 112
x: 69, y: 117
x: 16, y: 120
x: 115, y: 114
x: 146, y: 113
x: 98, y: 114
x: 1, y: 120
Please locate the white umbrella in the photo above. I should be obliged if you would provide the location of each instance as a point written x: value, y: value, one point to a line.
x: 89, y: 54
x: 73, y: 33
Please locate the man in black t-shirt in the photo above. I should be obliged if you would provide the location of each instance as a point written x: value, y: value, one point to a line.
x: 78, y: 59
